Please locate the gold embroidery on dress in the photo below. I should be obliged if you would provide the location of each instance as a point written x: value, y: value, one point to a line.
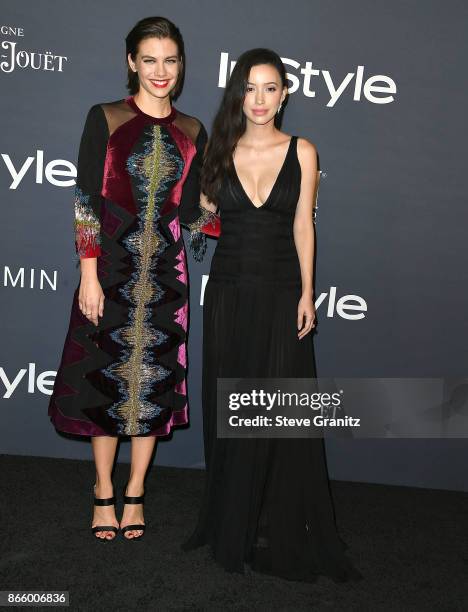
x: 155, y: 167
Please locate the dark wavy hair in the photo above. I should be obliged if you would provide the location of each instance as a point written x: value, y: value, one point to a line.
x: 229, y: 123
x: 158, y: 27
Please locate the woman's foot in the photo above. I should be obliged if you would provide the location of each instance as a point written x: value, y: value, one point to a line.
x: 133, y: 513
x: 104, y: 515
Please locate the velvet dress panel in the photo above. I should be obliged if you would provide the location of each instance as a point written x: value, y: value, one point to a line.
x: 137, y: 182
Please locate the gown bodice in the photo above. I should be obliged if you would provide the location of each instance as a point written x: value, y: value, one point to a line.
x: 257, y: 243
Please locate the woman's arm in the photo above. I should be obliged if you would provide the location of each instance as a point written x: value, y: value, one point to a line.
x: 196, y: 213
x: 304, y: 235
x: 88, y: 202
x: 205, y: 203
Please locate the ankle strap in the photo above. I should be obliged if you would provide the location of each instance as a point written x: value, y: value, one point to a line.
x: 133, y: 500
x: 109, y: 501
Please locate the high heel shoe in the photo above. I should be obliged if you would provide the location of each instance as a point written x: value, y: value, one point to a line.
x: 108, y: 501
x: 141, y: 527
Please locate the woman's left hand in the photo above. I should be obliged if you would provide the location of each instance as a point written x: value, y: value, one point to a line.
x: 305, y: 315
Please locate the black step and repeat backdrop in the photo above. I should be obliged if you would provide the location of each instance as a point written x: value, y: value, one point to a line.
x: 378, y: 86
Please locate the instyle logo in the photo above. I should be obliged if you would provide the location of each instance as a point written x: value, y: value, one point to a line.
x: 29, y: 278
x: 349, y: 307
x: 27, y: 380
x: 15, y: 57
x: 377, y: 88
x: 51, y: 172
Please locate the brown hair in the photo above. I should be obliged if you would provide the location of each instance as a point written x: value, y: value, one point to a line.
x: 158, y: 27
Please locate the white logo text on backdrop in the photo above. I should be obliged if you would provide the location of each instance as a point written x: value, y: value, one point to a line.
x: 51, y: 172
x: 375, y: 84
x: 21, y: 58
x: 29, y: 278
x: 43, y: 382
x: 350, y: 307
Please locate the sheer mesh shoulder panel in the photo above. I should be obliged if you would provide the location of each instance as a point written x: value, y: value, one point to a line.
x: 190, y: 126
x: 117, y: 113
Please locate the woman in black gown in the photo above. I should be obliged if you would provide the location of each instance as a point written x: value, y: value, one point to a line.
x: 267, y: 501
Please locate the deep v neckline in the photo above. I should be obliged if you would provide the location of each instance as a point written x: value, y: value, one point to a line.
x: 244, y: 192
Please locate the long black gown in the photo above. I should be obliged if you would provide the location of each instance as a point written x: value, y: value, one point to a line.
x: 267, y: 501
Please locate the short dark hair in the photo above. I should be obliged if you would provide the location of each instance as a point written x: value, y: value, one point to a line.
x: 158, y: 27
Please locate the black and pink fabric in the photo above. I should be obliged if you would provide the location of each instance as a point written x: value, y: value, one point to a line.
x: 137, y: 182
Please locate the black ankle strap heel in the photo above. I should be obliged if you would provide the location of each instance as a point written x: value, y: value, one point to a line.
x: 133, y: 500
x: 108, y: 501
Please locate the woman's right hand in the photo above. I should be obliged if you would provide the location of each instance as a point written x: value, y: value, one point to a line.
x: 91, y: 298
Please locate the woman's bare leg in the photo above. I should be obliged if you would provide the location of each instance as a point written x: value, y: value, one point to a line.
x: 142, y: 451
x: 104, y: 448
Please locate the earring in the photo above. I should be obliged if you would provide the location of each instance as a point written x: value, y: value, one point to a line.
x: 279, y: 108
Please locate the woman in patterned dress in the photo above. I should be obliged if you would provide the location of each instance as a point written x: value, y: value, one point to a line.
x: 123, y: 368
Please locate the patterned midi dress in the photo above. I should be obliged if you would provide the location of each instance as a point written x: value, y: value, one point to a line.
x: 137, y: 182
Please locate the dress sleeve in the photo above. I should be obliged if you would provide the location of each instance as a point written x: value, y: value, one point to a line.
x: 88, y: 199
x: 198, y: 220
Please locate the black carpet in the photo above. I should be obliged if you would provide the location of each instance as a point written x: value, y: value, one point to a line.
x: 410, y: 545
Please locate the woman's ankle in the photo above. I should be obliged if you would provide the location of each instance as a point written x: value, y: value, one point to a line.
x: 104, y: 487
x: 135, y: 486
